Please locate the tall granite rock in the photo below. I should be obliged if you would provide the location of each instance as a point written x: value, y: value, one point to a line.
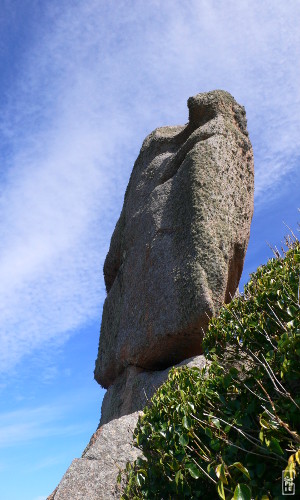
x: 178, y: 248
x: 175, y: 256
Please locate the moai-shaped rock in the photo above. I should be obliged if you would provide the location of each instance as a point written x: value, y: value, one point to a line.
x: 178, y: 248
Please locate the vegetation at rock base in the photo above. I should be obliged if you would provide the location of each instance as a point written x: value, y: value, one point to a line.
x: 230, y: 430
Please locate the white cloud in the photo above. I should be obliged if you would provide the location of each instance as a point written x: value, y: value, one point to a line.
x: 51, y: 420
x: 93, y: 81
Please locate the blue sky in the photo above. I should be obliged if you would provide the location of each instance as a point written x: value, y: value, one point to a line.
x: 82, y: 84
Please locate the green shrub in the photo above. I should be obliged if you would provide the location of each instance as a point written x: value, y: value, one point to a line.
x: 232, y: 428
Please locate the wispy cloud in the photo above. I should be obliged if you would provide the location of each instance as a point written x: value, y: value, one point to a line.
x: 91, y: 82
x: 50, y: 420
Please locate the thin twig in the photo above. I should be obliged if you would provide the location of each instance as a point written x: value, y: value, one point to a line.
x: 281, y: 422
x: 204, y: 472
x: 254, y: 393
x: 278, y: 320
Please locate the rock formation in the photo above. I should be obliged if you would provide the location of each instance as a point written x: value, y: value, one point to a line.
x: 178, y: 248
x: 94, y: 475
x: 132, y: 390
x: 176, y: 255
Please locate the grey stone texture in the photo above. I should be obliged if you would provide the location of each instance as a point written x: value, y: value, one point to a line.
x: 134, y: 388
x: 94, y: 476
x: 178, y: 248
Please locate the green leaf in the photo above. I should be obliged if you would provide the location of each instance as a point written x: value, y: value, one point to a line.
x: 221, y: 492
x: 264, y: 423
x: 243, y: 469
x: 178, y: 476
x: 208, y: 432
x: 268, y: 442
x: 260, y: 469
x: 222, y: 399
x: 193, y: 470
x: 183, y: 440
x: 274, y: 444
x: 292, y: 311
x: 187, y: 423
x: 139, y: 479
x: 216, y: 421
x: 242, y: 492
x: 220, y: 473
x: 215, y: 444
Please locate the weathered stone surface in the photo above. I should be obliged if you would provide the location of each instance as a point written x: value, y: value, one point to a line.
x: 134, y: 388
x: 94, y: 476
x: 178, y: 249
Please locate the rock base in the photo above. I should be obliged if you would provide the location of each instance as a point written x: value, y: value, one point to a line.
x: 94, y: 476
